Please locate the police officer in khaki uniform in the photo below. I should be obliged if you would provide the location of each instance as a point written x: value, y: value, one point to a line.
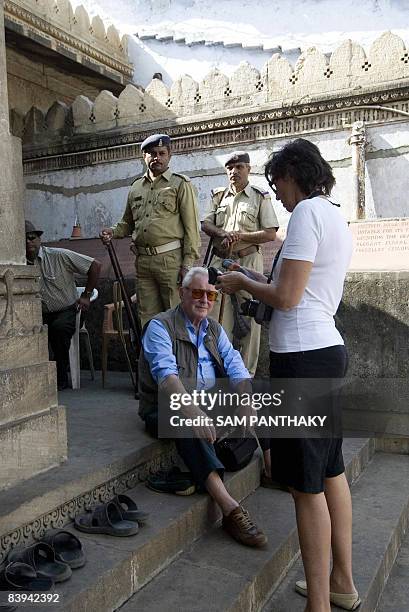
x: 240, y: 219
x: 162, y: 215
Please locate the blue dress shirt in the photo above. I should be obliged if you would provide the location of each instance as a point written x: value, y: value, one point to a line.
x: 157, y: 347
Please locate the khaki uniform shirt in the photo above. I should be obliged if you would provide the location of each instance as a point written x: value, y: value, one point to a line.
x: 162, y: 210
x: 57, y: 268
x: 250, y: 210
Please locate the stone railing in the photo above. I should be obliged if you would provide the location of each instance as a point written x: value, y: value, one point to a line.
x: 56, y: 25
x: 319, y: 93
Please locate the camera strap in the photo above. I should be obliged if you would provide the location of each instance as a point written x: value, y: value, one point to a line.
x: 275, y: 262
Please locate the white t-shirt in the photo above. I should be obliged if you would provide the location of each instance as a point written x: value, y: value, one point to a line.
x: 316, y: 232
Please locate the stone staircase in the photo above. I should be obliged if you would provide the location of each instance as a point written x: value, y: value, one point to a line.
x: 180, y: 559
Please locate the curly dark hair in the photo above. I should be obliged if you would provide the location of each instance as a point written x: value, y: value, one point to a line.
x: 301, y: 160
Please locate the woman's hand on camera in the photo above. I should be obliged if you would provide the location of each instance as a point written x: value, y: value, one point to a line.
x: 231, y: 282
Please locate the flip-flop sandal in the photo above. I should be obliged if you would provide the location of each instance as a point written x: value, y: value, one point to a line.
x: 42, y: 558
x: 67, y: 548
x: 107, y: 519
x: 16, y: 576
x: 129, y: 510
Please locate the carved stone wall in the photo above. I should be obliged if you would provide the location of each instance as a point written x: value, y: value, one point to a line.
x: 32, y: 83
x: 315, y: 79
x: 55, y: 25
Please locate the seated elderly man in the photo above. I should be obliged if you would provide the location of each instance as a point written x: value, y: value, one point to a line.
x: 58, y: 291
x: 181, y: 345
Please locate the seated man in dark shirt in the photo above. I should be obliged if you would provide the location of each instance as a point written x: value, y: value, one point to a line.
x: 59, y: 299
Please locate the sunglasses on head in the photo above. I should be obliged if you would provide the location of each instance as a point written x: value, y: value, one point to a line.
x: 197, y: 294
x: 31, y: 237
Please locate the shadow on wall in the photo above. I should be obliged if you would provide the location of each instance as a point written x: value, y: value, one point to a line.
x: 387, y: 171
x: 372, y: 320
x: 145, y: 64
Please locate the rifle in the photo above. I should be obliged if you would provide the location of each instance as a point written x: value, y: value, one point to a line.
x: 135, y: 331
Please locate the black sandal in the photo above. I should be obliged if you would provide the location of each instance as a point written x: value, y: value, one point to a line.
x: 129, y: 510
x: 67, y: 548
x: 107, y: 519
x: 42, y: 558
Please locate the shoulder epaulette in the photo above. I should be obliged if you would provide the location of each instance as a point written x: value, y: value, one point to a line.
x: 262, y: 191
x: 138, y: 178
x: 216, y: 191
x: 183, y: 176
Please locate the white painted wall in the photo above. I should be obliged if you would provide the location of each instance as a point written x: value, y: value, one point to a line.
x: 98, y: 194
x: 291, y: 24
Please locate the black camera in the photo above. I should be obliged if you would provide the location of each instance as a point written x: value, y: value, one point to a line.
x: 249, y: 307
x: 260, y: 312
x: 213, y: 274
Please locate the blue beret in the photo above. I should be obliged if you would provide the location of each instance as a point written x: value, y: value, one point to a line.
x: 156, y: 140
x: 238, y: 157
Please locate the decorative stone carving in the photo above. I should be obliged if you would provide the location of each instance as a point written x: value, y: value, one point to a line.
x: 183, y: 93
x: 276, y: 74
x: 98, y: 28
x: 105, y: 110
x: 34, y: 124
x: 309, y: 76
x: 246, y: 86
x: 57, y: 117
x: 212, y: 92
x: 303, y: 90
x: 56, y: 22
x: 81, y: 23
x: 387, y: 57
x: 82, y: 113
x: 345, y: 66
x: 10, y: 324
x: 131, y: 106
x: 16, y: 123
x: 157, y: 101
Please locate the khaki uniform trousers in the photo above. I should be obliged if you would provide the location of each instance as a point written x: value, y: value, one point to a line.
x: 157, y: 287
x: 249, y: 346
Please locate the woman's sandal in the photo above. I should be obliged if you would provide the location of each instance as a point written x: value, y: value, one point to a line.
x: 42, y: 558
x: 347, y: 601
x: 106, y: 519
x: 67, y: 547
x: 129, y: 510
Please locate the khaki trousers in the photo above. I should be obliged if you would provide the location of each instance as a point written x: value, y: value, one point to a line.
x: 157, y: 283
x: 249, y: 346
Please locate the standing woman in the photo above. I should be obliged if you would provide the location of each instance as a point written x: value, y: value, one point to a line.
x: 304, y: 343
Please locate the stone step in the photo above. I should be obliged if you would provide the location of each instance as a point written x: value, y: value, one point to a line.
x: 108, y: 452
x: 24, y: 349
x: 117, y: 567
x: 395, y: 597
x: 217, y: 573
x: 380, y: 500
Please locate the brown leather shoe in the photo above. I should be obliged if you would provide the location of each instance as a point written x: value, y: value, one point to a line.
x: 240, y: 526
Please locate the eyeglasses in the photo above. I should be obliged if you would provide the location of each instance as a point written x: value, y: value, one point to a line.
x: 31, y: 237
x: 198, y: 294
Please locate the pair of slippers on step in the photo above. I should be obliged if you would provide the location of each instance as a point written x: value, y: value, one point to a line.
x: 39, y: 566
x: 119, y: 517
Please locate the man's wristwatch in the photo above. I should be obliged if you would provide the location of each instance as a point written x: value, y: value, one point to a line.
x: 87, y: 293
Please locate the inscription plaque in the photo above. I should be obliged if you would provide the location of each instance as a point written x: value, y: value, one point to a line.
x: 380, y: 245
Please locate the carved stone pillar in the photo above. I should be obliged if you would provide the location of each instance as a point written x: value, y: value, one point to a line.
x: 33, y: 435
x: 358, y: 141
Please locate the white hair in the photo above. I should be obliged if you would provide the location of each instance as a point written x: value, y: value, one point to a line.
x: 196, y: 271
